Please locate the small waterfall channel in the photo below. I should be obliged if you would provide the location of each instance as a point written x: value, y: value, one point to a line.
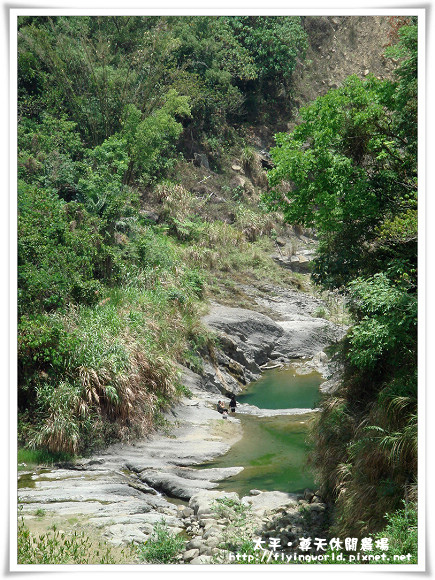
x: 273, y: 449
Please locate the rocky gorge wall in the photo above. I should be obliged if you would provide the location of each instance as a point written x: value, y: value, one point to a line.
x: 249, y: 340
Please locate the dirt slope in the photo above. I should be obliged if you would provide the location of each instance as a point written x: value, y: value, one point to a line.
x: 341, y: 46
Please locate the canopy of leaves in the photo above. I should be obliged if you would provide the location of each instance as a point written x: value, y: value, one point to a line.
x: 349, y: 170
x: 274, y: 43
x: 92, y: 67
x: 345, y: 173
x: 49, y: 279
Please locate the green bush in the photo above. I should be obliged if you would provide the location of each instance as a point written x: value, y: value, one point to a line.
x: 402, y: 533
x: 162, y: 547
x: 150, y: 141
x: 57, y: 252
x: 48, y: 153
x: 100, y: 187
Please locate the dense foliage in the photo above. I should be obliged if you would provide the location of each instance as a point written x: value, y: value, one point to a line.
x: 95, y: 69
x: 108, y: 300
x: 349, y: 170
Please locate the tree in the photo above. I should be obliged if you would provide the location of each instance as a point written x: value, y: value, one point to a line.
x: 345, y: 170
x: 274, y: 42
x: 275, y: 45
x: 78, y: 64
x: 151, y: 140
x: 349, y: 170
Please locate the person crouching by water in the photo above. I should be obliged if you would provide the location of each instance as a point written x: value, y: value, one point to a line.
x: 233, y: 403
x: 222, y: 409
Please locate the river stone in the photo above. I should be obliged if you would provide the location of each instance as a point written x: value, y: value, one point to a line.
x: 308, y: 495
x: 208, y: 523
x: 190, y: 554
x: 194, y: 544
x: 189, y: 447
x: 210, y: 533
x: 212, y: 474
x: 330, y: 386
x: 219, y: 380
x: 307, y: 337
x: 317, y: 507
x: 213, y: 541
x: 201, y: 502
x: 203, y: 559
x: 270, y: 500
x: 253, y: 410
x: 175, y: 486
x: 128, y: 533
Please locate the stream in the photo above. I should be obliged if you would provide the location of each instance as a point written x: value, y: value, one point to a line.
x: 126, y: 488
x: 273, y: 450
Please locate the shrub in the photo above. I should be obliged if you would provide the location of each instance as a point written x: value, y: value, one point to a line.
x: 402, y: 533
x: 162, y: 547
x: 57, y: 252
x: 151, y: 140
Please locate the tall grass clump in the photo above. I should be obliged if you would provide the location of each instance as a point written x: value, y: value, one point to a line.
x: 39, y: 457
x: 94, y: 373
x: 57, y: 547
x: 365, y: 449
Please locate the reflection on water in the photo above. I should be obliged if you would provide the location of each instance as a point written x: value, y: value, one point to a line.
x: 283, y: 389
x: 273, y: 450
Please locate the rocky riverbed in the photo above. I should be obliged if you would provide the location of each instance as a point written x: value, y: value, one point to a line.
x: 126, y: 489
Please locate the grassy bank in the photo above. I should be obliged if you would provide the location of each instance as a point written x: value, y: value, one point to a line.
x: 102, y: 369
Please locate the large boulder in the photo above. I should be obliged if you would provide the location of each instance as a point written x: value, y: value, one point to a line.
x: 247, y: 337
x: 305, y: 338
x: 174, y: 485
x: 270, y: 500
x: 216, y: 379
x: 183, y: 482
x: 202, y: 502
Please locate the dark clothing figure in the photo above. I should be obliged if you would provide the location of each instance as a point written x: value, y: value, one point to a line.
x: 233, y: 403
x: 222, y: 409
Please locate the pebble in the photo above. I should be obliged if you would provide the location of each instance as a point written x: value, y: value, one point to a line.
x: 213, y: 542
x: 193, y: 544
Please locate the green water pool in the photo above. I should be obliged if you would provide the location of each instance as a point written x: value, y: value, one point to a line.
x: 283, y: 389
x: 273, y: 450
